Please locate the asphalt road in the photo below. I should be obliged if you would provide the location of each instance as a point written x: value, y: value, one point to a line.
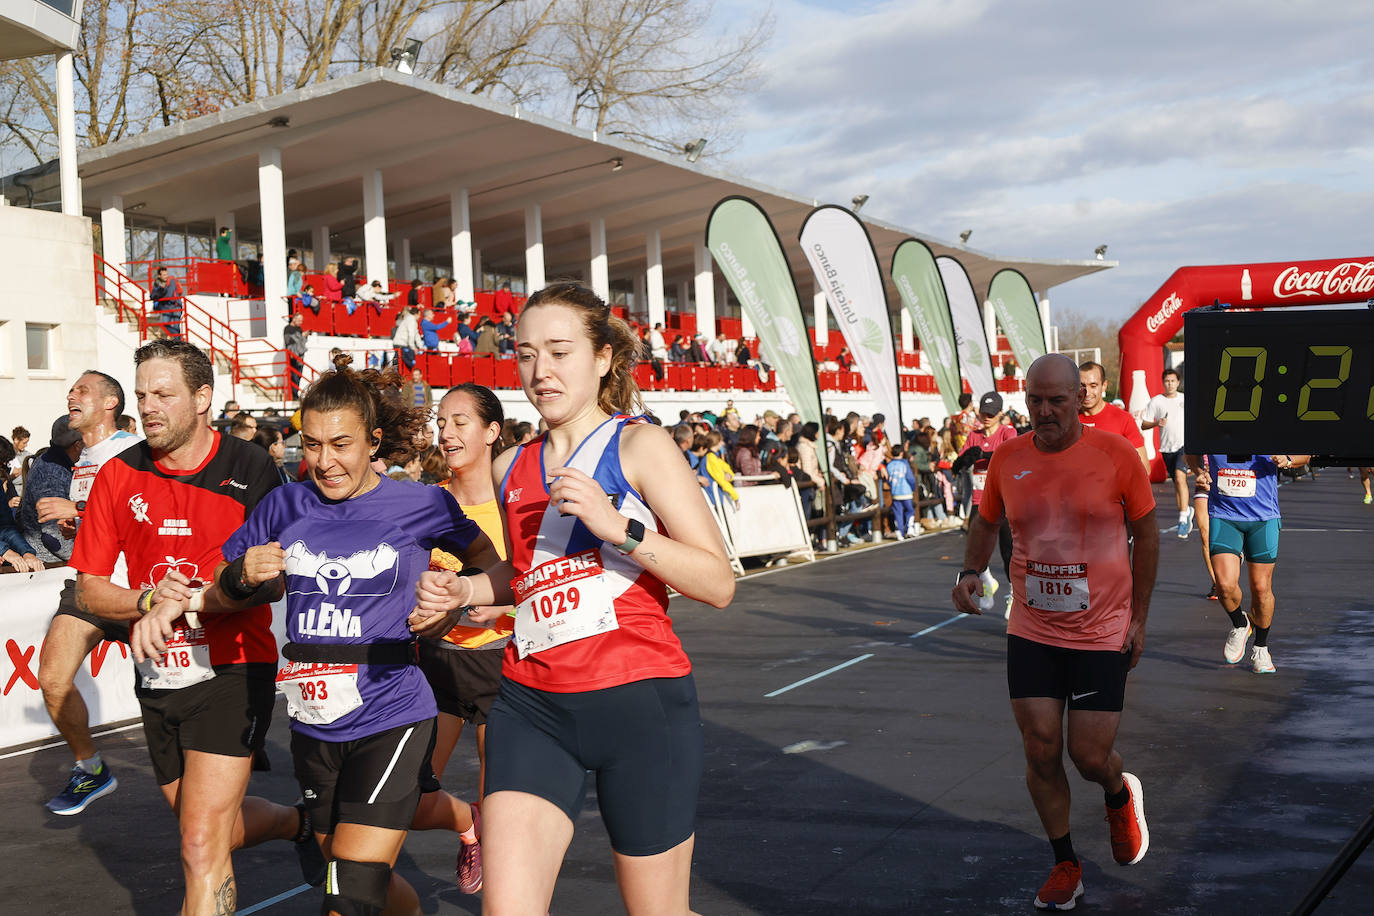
x: 894, y: 783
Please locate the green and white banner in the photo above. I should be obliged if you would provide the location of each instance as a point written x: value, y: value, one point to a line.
x: 970, y: 338
x: 1018, y: 314
x: 846, y: 267
x: 745, y: 246
x: 918, y: 282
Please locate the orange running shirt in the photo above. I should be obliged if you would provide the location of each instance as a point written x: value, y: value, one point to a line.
x: 1070, y: 567
x: 488, y: 517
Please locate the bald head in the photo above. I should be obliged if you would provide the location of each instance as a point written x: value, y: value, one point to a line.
x: 1054, y: 371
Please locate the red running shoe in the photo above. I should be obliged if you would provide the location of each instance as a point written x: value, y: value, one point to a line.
x: 1062, y: 890
x: 469, y: 865
x: 1130, y: 836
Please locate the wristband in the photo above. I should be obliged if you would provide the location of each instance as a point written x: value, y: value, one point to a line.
x: 232, y: 584
x: 145, y: 601
x: 967, y: 572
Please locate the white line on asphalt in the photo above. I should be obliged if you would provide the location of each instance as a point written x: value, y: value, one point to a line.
x: 816, y: 677
x: 286, y: 895
x: 943, y: 623
x: 44, y: 747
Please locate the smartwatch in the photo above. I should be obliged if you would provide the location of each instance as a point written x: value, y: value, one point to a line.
x: 634, y: 536
x: 966, y: 572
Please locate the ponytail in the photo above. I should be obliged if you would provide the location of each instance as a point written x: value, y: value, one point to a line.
x: 375, y: 396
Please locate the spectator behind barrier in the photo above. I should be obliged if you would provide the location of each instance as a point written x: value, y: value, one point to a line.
x: 50, y: 475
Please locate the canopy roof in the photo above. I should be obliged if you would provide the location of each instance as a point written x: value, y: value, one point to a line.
x: 429, y: 140
x: 29, y: 28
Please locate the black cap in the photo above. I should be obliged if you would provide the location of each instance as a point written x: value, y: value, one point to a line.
x: 990, y: 404
x: 879, y: 418
x: 63, y: 436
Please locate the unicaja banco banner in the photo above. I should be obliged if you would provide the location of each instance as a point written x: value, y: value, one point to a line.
x: 923, y: 293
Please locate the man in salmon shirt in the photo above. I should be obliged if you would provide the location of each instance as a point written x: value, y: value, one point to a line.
x: 1077, y: 625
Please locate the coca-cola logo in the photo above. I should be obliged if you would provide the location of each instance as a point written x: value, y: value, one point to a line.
x: 1166, y: 311
x: 1350, y: 277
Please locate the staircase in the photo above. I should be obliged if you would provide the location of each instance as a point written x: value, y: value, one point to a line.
x: 252, y: 367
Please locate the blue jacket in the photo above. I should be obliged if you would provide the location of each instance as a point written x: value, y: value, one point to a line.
x: 430, y: 332
x: 900, y: 478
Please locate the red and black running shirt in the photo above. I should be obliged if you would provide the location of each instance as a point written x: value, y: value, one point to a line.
x: 163, y: 520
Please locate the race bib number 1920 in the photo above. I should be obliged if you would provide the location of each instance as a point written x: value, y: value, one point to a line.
x: 1057, y: 586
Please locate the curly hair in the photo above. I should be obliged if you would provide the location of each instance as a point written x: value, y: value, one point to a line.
x: 375, y: 395
x: 619, y: 393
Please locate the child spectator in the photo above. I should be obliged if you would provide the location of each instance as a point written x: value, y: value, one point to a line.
x: 902, y: 481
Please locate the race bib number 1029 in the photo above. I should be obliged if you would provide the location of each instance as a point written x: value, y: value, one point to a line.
x: 561, y: 601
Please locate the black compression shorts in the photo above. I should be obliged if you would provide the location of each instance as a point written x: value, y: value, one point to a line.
x: 112, y: 630
x: 464, y: 681
x: 1086, y: 678
x: 642, y: 740
x: 226, y: 715
x: 374, y: 781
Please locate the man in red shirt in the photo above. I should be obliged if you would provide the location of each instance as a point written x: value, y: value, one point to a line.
x: 975, y: 456
x: 1098, y: 414
x: 206, y: 663
x: 1078, y: 622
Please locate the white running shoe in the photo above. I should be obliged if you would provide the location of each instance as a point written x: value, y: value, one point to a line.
x: 1260, y: 662
x: 1235, y: 644
x: 990, y: 586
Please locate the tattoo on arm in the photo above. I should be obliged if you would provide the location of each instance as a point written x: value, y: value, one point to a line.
x: 649, y: 555
x: 226, y: 898
x: 81, y: 604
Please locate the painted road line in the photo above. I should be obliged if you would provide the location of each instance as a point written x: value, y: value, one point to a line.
x: 270, y: 901
x: 943, y: 623
x: 44, y: 747
x: 817, y: 677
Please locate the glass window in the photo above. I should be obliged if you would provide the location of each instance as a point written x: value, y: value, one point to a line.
x: 40, y: 352
x: 62, y: 6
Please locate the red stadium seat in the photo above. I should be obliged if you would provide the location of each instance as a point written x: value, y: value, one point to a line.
x: 354, y: 325
x: 323, y: 323
x: 484, y: 369
x: 507, y: 375
x: 381, y: 324
x: 461, y: 368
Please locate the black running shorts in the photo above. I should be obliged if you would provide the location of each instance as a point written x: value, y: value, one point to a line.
x: 1172, y: 462
x: 1087, y: 679
x: 642, y: 740
x: 226, y: 715
x: 374, y: 781
x: 112, y: 630
x: 464, y: 681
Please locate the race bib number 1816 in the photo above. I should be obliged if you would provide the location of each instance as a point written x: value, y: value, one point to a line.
x: 1057, y: 586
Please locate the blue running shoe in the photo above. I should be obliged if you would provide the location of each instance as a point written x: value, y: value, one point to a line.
x: 82, y: 789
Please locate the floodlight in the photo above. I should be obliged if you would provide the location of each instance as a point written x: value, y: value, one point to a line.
x: 693, y: 149
x: 858, y: 201
x: 1101, y: 252
x: 407, y: 55
x: 963, y: 236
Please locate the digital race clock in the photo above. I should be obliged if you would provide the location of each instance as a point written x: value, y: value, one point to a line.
x: 1279, y: 382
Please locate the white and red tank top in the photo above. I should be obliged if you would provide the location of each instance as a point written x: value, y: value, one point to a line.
x: 642, y: 643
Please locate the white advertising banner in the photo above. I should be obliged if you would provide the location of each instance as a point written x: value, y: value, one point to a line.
x: 975, y: 359
x: 846, y: 267
x: 106, y: 678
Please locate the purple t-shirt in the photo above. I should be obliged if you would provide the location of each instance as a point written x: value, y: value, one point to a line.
x: 351, y: 573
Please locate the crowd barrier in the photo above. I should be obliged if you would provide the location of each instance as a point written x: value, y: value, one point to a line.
x: 768, y: 520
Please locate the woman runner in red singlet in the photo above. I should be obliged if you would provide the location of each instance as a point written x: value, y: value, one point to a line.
x: 594, y: 679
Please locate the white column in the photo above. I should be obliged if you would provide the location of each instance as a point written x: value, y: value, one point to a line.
x: 112, y: 232
x: 66, y: 135
x: 684, y: 296
x: 476, y: 268
x: 1045, y: 324
x: 463, y: 261
x: 272, y: 210
x: 908, y: 335
x: 638, y: 291
x: 653, y: 276
x: 402, y: 263
x: 319, y: 245
x: 746, y: 326
x: 534, y: 249
x: 705, y: 292
x: 820, y: 311
x: 374, y: 228
x: 600, y: 268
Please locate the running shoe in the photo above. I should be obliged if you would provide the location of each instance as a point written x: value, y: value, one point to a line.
x: 1130, y: 836
x: 1011, y: 597
x: 1235, y: 644
x: 1368, y: 499
x: 1260, y: 662
x: 308, y: 852
x: 82, y: 789
x: 1062, y: 890
x: 1185, y: 527
x: 469, y: 864
x: 1214, y: 594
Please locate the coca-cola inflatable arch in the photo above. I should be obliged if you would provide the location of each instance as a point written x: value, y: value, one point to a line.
x: 1280, y: 283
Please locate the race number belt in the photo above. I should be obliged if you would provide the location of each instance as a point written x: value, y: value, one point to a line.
x: 186, y: 662
x: 1057, y: 586
x: 318, y: 694
x: 561, y: 601
x: 379, y: 653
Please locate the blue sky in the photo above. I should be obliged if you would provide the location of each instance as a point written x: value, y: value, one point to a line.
x: 1197, y: 132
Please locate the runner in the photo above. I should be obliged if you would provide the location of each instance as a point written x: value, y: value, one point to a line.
x: 1096, y: 413
x: 1204, y: 529
x: 362, y: 727
x: 1245, y: 523
x: 94, y: 404
x: 204, y: 686
x: 595, y: 678
x: 977, y: 453
x: 464, y: 667
x: 1366, y: 475
x: 1078, y: 625
x: 1166, y: 411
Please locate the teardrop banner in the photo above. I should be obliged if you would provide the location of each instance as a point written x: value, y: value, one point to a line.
x: 846, y: 267
x: 923, y: 292
x: 969, y: 337
x: 1018, y: 314
x: 746, y: 247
